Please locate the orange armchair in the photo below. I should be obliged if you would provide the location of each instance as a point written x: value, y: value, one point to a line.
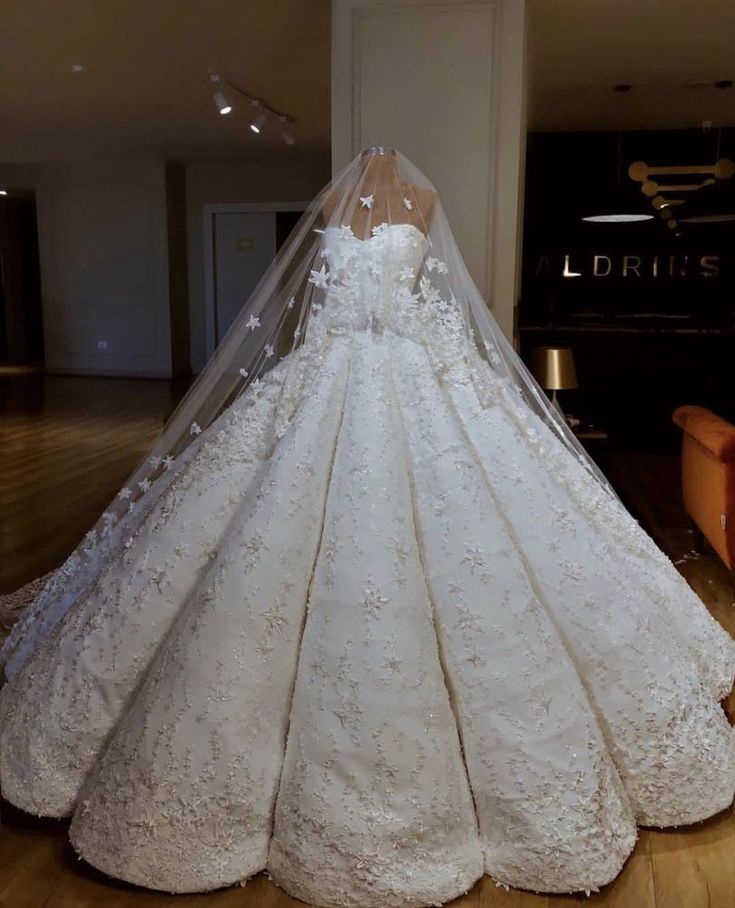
x: 708, y: 477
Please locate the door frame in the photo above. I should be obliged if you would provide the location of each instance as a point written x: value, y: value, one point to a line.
x: 209, y: 211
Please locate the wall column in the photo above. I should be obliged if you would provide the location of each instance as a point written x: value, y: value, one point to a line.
x: 443, y: 81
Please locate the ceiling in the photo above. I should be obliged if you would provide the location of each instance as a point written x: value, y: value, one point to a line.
x: 580, y: 49
x: 146, y: 90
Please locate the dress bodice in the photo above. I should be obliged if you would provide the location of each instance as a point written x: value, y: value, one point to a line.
x: 391, y: 256
x: 387, y: 284
x: 371, y: 280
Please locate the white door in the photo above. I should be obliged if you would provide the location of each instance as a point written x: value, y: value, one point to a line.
x: 244, y: 245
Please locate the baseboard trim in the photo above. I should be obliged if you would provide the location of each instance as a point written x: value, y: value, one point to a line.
x: 105, y: 373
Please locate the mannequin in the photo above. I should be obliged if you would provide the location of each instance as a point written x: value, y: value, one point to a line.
x: 379, y: 178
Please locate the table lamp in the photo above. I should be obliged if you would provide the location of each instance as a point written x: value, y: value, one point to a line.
x: 553, y: 368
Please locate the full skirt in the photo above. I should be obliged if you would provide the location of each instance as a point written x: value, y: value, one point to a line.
x: 379, y: 634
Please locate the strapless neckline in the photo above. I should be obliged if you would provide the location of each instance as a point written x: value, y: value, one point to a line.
x: 378, y: 231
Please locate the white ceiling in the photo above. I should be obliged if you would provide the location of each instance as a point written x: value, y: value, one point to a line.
x: 579, y: 49
x: 146, y: 92
x: 146, y: 88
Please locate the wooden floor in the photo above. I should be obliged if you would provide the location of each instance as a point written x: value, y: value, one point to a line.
x: 67, y: 445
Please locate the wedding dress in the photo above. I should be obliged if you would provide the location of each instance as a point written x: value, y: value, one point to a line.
x: 377, y: 630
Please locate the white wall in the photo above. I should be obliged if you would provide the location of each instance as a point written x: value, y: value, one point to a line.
x: 293, y: 177
x: 443, y: 81
x: 104, y: 267
x: 104, y: 254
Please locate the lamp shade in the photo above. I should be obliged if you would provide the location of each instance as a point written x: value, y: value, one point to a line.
x: 553, y: 368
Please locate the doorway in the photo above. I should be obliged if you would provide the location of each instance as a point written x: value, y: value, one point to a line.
x: 21, y: 319
x: 240, y: 242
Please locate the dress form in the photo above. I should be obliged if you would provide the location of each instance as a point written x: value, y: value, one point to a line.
x: 394, y: 201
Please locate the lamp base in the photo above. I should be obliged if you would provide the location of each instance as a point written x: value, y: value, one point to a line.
x: 557, y: 406
x: 570, y: 420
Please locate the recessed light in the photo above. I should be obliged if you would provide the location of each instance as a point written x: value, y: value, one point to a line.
x: 78, y: 68
x: 617, y: 218
x: 3, y: 191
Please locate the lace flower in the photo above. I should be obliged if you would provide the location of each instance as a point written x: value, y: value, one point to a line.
x: 320, y: 278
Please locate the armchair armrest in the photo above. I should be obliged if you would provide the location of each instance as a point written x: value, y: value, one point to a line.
x: 711, y: 431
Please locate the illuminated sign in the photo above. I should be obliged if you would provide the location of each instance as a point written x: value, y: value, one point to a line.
x: 679, y: 265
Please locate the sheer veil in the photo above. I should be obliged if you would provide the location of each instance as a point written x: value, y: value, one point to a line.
x: 299, y: 302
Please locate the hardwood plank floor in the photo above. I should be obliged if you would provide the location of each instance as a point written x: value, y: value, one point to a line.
x: 67, y: 446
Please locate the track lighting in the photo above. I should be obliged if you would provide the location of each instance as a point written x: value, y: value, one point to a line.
x: 220, y: 99
x: 262, y: 110
x: 286, y: 133
x: 259, y: 121
x: 223, y: 105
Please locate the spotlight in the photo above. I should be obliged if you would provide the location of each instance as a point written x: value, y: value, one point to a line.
x: 286, y: 134
x: 259, y: 121
x: 223, y: 105
x: 220, y: 99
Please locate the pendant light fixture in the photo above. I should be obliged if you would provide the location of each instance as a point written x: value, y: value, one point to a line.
x: 624, y: 195
x: 616, y: 218
x: 688, y: 193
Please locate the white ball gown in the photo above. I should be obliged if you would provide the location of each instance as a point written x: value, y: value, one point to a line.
x: 378, y: 633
